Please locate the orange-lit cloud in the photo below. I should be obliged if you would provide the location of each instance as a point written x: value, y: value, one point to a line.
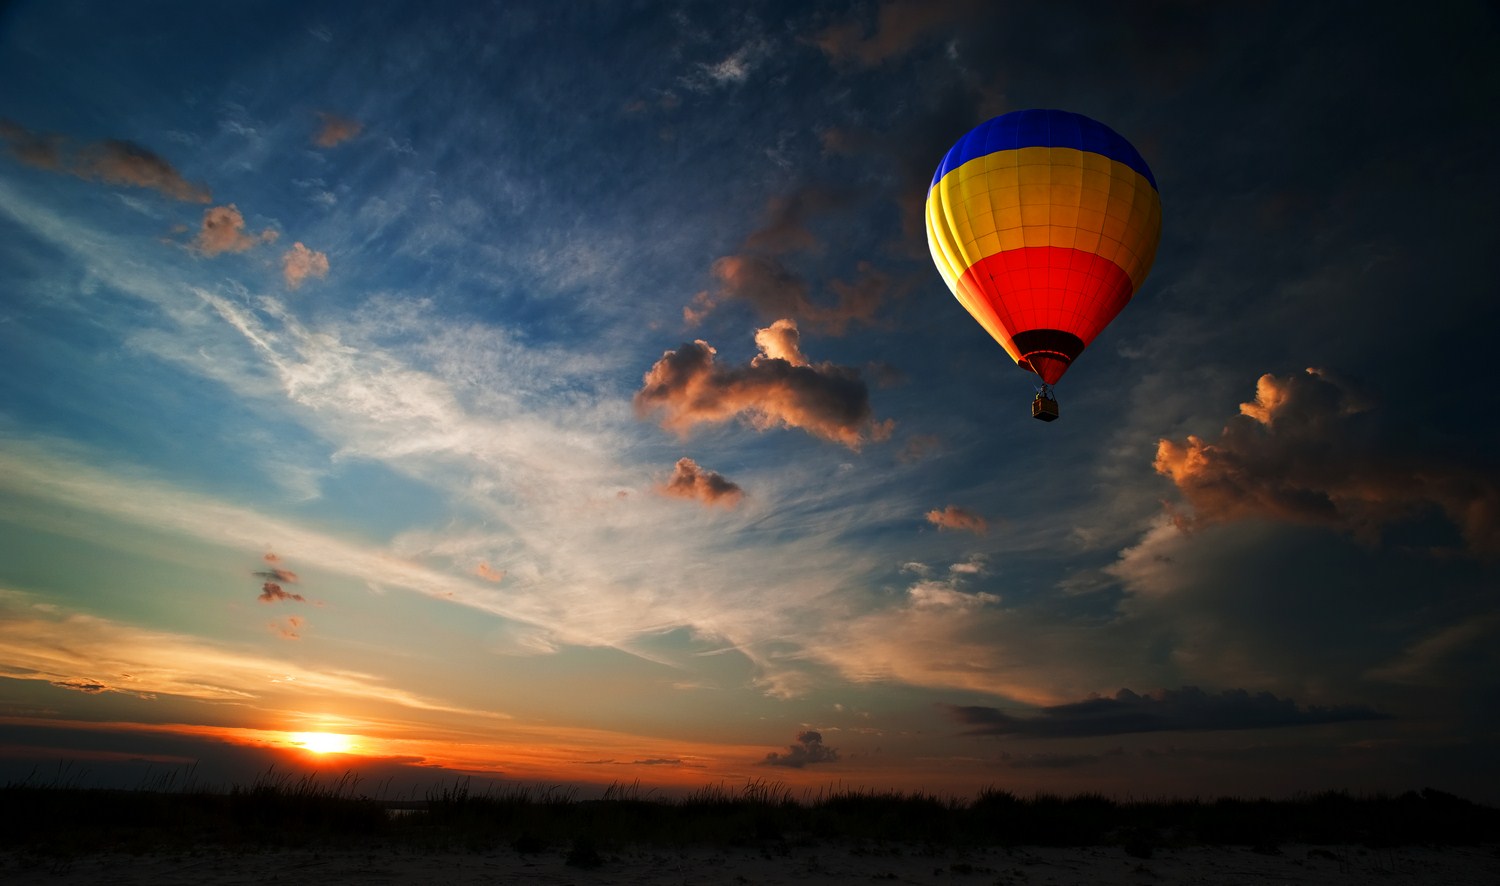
x: 787, y: 216
x: 774, y: 291
x: 299, y: 263
x: 953, y: 517
x: 270, y: 592
x: 223, y: 230
x: 690, y: 481
x: 1307, y: 450
x: 335, y: 130
x: 781, y: 341
x: 899, y: 26
x: 113, y: 161
x: 44, y: 151
x: 489, y: 573
x: 757, y: 276
x: 687, y: 387
x: 289, y: 628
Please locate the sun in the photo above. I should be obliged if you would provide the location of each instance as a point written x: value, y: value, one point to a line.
x: 323, y: 742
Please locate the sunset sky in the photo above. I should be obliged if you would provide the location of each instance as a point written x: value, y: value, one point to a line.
x: 564, y: 393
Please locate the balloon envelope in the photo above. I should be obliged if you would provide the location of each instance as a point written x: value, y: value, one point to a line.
x: 1043, y: 223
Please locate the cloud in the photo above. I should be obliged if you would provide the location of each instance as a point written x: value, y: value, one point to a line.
x: 274, y: 577
x: 1188, y: 709
x: 89, y: 687
x: 781, y: 341
x: 809, y: 749
x: 44, y: 151
x: 489, y: 573
x: 289, y: 628
x: 223, y: 230
x: 690, y: 481
x: 785, y: 229
x: 899, y: 26
x: 773, y: 290
x: 954, y: 517
x: 270, y: 592
x: 1307, y: 449
x: 113, y: 161
x: 686, y: 387
x: 300, y: 263
x: 335, y: 130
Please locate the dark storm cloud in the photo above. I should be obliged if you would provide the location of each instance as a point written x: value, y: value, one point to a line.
x: 1308, y: 450
x: 692, y: 482
x: 687, y: 387
x: 953, y: 517
x: 113, y: 161
x: 809, y: 749
x: 1168, y: 710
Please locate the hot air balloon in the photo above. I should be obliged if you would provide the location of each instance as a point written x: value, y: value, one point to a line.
x: 1043, y: 223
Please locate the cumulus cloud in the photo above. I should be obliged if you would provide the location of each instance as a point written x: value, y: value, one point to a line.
x: 300, y: 263
x: 1188, y: 709
x: 223, y: 230
x: 112, y: 161
x: 899, y: 26
x: 781, y: 341
x: 809, y: 749
x: 690, y: 481
x: 954, y: 517
x: 489, y: 573
x: 335, y: 130
x: 687, y: 387
x: 1309, y: 450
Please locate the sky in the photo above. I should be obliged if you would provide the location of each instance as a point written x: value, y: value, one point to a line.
x: 565, y: 394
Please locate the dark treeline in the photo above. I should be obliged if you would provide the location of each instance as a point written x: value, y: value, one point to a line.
x: 286, y: 812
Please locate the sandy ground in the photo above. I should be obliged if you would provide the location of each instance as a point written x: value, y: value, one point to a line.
x: 829, y: 863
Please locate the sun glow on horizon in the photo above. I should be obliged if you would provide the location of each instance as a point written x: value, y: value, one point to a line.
x: 323, y: 742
